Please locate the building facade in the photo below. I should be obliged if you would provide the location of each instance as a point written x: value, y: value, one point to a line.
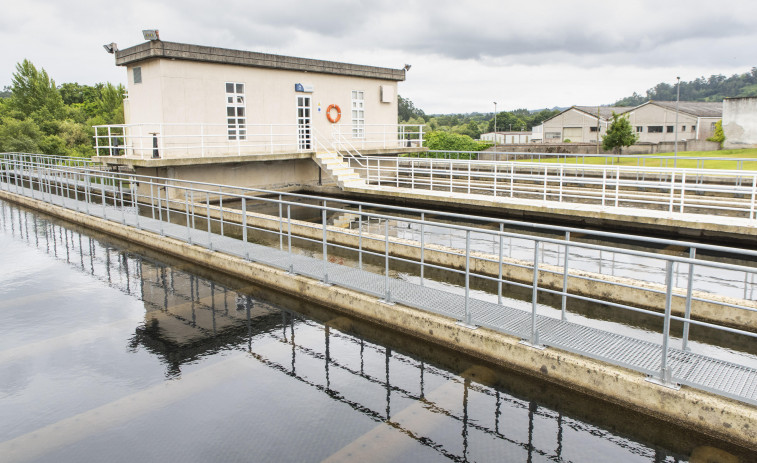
x: 221, y: 101
x: 655, y: 121
x: 578, y: 124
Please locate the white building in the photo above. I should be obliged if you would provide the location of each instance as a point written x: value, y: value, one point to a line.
x: 507, y: 138
x: 196, y: 100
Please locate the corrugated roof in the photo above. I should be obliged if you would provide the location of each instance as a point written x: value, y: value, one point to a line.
x: 695, y: 108
x: 605, y: 112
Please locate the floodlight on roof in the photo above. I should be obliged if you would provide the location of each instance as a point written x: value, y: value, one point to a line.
x: 407, y: 67
x: 151, y: 34
x: 111, y: 47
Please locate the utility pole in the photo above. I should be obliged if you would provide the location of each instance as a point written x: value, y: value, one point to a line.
x: 678, y: 97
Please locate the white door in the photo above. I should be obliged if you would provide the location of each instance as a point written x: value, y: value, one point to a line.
x: 304, y: 135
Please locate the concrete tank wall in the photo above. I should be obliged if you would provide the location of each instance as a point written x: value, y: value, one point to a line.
x: 740, y: 123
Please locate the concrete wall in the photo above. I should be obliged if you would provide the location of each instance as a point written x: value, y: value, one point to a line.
x: 740, y: 122
x: 269, y: 175
x: 189, y: 92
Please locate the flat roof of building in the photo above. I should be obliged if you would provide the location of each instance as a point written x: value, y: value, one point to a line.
x: 157, y: 49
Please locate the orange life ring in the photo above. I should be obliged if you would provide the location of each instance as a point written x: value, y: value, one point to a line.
x: 338, y: 114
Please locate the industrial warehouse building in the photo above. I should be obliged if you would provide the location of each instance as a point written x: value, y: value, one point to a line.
x: 653, y: 121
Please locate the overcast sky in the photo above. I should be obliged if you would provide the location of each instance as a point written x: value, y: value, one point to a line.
x: 464, y: 55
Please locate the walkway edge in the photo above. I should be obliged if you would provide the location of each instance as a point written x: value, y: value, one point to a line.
x: 717, y: 416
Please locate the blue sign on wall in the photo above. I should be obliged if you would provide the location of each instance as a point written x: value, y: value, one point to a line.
x: 305, y: 88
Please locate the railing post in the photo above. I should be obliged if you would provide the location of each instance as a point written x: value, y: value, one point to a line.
x: 499, y: 275
x: 469, y: 175
x: 683, y: 188
x: 468, y: 320
x: 423, y: 245
x: 563, y: 314
x: 451, y: 169
x: 546, y: 179
x: 289, y: 236
x: 186, y: 213
x: 244, y: 230
x: 360, y: 237
x: 665, y: 372
x: 494, y: 179
x: 325, y: 244
x: 604, y: 184
x: 387, y: 292
x: 617, y: 184
x: 160, y: 213
x: 672, y: 191
x: 207, y: 216
x: 152, y: 198
x: 534, y: 339
x: 689, y: 289
x: 754, y: 193
x: 220, y: 207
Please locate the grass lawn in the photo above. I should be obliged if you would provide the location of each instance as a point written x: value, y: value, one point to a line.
x: 666, y: 159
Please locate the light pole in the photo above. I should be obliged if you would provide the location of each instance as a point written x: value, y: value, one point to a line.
x: 678, y: 97
x: 495, y: 126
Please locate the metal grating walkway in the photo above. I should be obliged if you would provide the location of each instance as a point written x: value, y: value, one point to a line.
x: 702, y: 372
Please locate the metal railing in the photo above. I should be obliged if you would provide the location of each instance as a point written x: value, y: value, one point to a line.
x: 700, y: 191
x: 475, y: 282
x: 178, y: 140
x: 640, y: 160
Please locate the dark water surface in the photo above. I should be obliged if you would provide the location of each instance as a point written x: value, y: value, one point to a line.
x: 111, y: 352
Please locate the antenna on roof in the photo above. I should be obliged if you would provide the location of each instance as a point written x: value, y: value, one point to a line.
x: 150, y: 34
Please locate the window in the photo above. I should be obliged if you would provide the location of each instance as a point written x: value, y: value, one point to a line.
x: 137, y: 74
x: 683, y: 128
x: 670, y: 129
x: 358, y: 114
x: 639, y: 129
x: 552, y: 135
x: 654, y: 129
x: 593, y: 129
x: 693, y: 128
x: 712, y: 125
x: 236, y: 119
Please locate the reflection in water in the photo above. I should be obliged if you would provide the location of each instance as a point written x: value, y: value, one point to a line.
x: 419, y: 396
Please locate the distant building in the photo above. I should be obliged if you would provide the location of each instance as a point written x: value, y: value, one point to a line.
x: 579, y: 124
x: 653, y: 121
x: 507, y: 138
x: 740, y: 122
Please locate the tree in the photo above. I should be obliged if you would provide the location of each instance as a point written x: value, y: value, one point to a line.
x: 718, y: 136
x: 619, y: 134
x: 445, y: 141
x: 406, y: 110
x: 34, y: 90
